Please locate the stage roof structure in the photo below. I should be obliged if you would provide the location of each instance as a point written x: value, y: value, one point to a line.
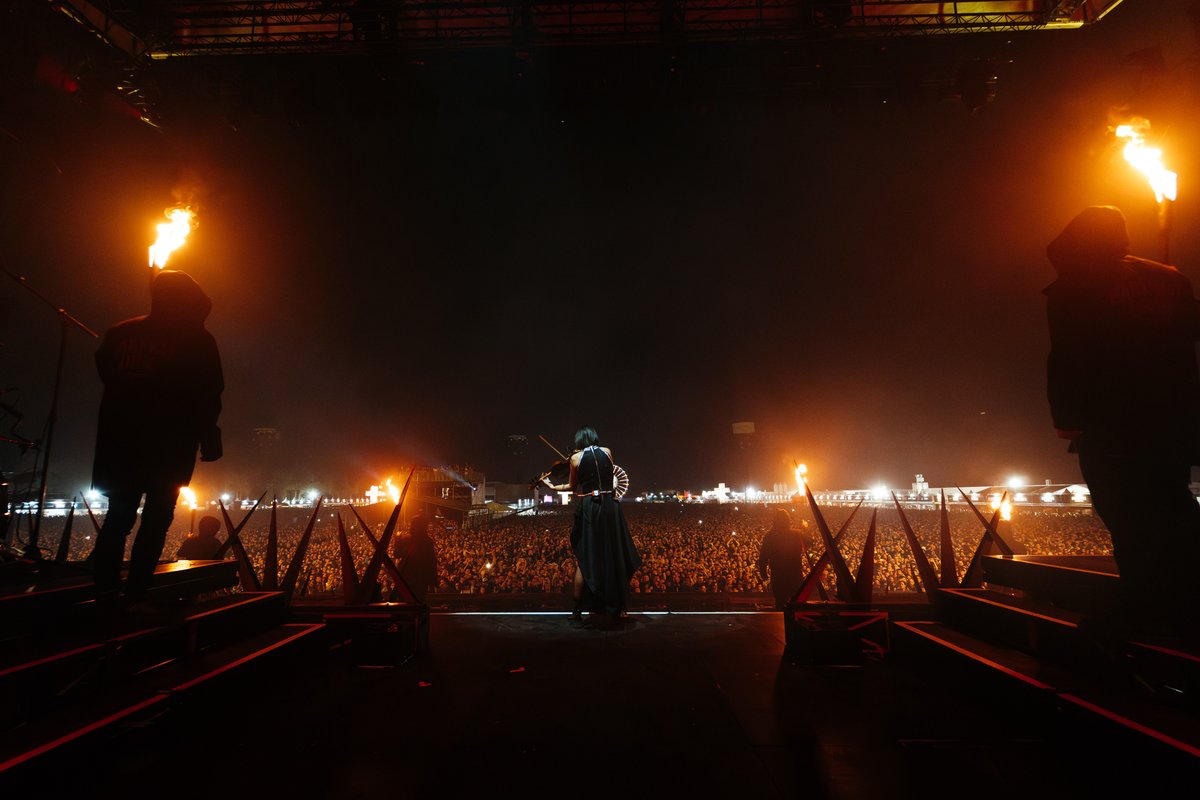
x: 160, y: 29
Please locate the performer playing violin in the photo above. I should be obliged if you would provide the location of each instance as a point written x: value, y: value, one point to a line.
x: 605, y: 554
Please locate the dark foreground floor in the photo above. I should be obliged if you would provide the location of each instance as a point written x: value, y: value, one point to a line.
x: 680, y: 705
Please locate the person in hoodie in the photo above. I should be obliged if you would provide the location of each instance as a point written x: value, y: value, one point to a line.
x: 1124, y: 388
x: 162, y: 396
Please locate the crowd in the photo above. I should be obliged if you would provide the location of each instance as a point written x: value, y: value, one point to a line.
x: 685, y: 548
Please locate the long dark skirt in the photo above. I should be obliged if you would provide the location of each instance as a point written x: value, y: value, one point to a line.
x: 606, y: 554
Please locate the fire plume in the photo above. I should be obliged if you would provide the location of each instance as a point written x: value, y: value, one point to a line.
x: 1147, y: 160
x: 393, y: 490
x: 1004, y: 506
x: 801, y: 477
x: 171, y: 234
x: 189, y: 497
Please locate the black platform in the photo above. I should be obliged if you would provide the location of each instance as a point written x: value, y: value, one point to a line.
x: 678, y: 705
x: 979, y: 698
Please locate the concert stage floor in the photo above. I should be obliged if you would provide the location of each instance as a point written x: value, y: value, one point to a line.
x: 670, y: 705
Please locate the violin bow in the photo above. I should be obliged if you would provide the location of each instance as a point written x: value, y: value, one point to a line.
x: 557, y: 452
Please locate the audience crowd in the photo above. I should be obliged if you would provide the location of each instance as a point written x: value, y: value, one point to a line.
x: 685, y: 547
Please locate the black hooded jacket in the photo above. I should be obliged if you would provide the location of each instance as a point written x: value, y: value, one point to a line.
x: 1122, y: 366
x: 162, y: 390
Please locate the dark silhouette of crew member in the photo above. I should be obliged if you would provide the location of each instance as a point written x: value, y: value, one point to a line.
x: 162, y: 396
x: 416, y: 558
x: 202, y: 545
x: 783, y: 551
x: 1124, y: 388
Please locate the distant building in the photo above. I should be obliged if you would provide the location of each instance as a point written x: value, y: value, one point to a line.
x: 744, y: 439
x: 518, y: 445
x: 510, y: 494
x: 455, y: 493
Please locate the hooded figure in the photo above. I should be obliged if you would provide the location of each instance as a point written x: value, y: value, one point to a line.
x: 783, y: 551
x: 1122, y: 368
x: 1124, y: 387
x: 162, y: 395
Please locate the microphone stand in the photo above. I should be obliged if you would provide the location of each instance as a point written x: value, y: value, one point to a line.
x: 66, y: 321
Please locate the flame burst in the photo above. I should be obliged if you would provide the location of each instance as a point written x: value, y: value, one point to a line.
x: 801, y: 477
x: 393, y: 490
x: 171, y: 235
x: 1005, y: 507
x: 1147, y: 160
x: 189, y: 497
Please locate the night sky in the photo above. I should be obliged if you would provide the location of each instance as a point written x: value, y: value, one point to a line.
x: 403, y: 278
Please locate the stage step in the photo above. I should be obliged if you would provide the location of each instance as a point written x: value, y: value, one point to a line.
x: 1105, y: 710
x: 203, y: 678
x: 1017, y: 621
x: 99, y: 659
x: 1086, y: 584
x: 1171, y: 667
x: 27, y: 609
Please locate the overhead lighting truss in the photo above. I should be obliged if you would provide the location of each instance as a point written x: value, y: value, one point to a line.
x: 170, y: 28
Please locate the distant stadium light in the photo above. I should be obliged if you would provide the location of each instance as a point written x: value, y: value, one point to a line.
x: 880, y: 492
x: 1016, y: 482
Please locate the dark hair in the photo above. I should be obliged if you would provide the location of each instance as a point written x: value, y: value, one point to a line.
x: 781, y: 520
x: 586, y: 437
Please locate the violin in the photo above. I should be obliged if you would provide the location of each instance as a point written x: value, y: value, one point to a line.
x: 558, y: 474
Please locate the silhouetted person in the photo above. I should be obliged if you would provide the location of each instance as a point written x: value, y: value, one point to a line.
x: 203, y: 544
x: 162, y: 395
x: 605, y: 554
x: 783, y: 551
x: 416, y: 558
x: 1123, y: 386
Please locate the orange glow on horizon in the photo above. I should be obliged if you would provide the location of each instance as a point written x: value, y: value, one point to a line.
x: 1147, y: 160
x: 171, y: 235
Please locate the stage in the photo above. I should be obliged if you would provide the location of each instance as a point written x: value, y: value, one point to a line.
x: 668, y: 705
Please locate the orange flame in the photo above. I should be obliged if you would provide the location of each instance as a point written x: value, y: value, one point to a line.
x: 393, y: 490
x: 1147, y: 160
x: 189, y: 497
x: 801, y: 477
x: 171, y: 235
x: 1005, y: 508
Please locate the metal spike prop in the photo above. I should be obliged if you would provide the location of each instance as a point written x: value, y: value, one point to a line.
x: 406, y: 592
x: 271, y: 558
x: 812, y: 581
x: 245, y: 569
x: 380, y: 555
x: 91, y: 514
x: 991, y: 527
x: 349, y: 573
x: 288, y: 587
x: 949, y: 568
x: 845, y: 582
x: 973, y: 577
x: 929, y: 578
x: 231, y: 540
x: 64, y: 544
x: 864, y: 584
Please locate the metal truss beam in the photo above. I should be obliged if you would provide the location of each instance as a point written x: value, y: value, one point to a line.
x: 191, y: 27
